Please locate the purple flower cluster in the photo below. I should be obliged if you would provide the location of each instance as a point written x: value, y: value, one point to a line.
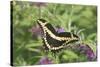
x: 45, y: 60
x: 38, y: 4
x: 85, y: 49
x: 59, y: 30
x: 36, y: 31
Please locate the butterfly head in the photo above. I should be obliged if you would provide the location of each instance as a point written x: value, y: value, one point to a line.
x: 42, y: 22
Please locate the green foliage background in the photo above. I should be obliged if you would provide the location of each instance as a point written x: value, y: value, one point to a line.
x: 27, y: 51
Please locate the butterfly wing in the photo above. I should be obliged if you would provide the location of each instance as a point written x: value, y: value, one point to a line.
x: 64, y: 34
x: 50, y: 27
x: 52, y: 44
x: 69, y: 36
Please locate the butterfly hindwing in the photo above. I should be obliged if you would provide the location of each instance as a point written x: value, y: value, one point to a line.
x: 53, y: 42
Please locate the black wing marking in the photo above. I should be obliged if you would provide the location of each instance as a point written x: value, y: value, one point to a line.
x: 64, y: 34
x: 51, y: 28
x: 53, y: 42
x: 67, y: 34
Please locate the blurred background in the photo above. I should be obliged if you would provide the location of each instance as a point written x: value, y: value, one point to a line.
x: 27, y: 41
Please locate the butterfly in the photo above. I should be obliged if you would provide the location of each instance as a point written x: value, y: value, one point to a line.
x: 54, y: 41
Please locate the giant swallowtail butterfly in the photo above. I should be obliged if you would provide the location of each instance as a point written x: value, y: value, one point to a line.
x: 54, y: 41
